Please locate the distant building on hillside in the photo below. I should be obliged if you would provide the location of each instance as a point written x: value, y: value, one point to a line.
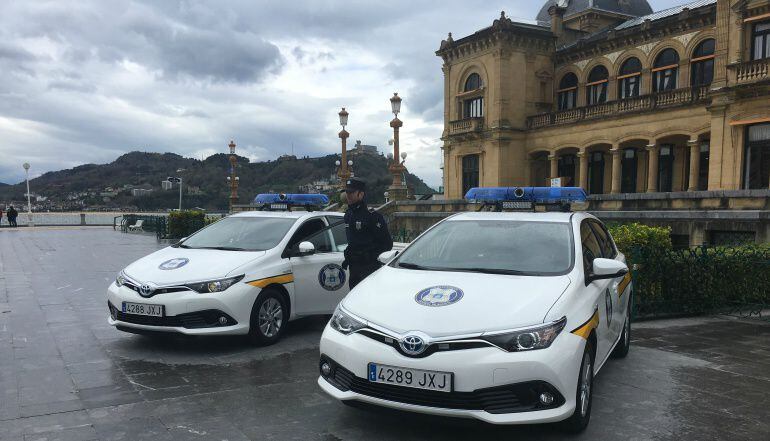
x: 139, y: 192
x: 166, y: 185
x: 283, y: 158
x: 363, y: 149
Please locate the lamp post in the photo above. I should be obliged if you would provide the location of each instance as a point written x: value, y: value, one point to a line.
x: 344, y: 172
x: 397, y: 189
x: 29, y: 203
x: 232, y: 180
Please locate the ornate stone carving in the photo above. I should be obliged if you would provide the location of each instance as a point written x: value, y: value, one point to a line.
x: 613, y: 56
x: 647, y: 48
x: 582, y: 64
x: 686, y: 38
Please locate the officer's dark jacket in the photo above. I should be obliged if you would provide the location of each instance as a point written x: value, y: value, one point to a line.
x: 367, y: 234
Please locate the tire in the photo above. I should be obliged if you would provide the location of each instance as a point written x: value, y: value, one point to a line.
x: 621, y: 350
x: 268, y: 318
x: 584, y: 396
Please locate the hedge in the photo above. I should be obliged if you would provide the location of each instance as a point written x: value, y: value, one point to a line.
x: 184, y: 223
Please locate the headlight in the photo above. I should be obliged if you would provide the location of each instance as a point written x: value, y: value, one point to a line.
x: 528, y: 339
x: 120, y: 280
x: 214, y: 285
x: 344, y: 323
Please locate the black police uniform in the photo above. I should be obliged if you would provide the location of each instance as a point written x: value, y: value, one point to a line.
x: 368, y: 237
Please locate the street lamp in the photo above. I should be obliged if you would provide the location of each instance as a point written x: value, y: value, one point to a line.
x: 397, y: 189
x: 29, y: 203
x: 344, y: 173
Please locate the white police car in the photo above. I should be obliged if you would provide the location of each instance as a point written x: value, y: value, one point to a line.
x: 501, y: 316
x: 249, y: 273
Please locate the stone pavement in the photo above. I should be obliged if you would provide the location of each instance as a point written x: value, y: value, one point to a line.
x: 66, y: 375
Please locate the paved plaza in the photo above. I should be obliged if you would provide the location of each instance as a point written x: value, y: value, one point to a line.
x: 66, y: 375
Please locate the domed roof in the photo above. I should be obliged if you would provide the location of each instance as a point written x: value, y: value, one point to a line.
x: 635, y: 8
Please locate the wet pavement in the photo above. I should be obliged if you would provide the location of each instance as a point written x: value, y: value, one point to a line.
x: 66, y: 375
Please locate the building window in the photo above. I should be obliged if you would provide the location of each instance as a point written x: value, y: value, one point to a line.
x: 761, y: 44
x: 757, y: 170
x: 470, y: 172
x: 629, y: 78
x: 567, y: 93
x: 665, y: 71
x: 567, y: 169
x: 666, y: 168
x: 596, y: 88
x: 596, y: 173
x: 628, y: 171
x: 473, y: 107
x: 472, y: 83
x: 703, y: 64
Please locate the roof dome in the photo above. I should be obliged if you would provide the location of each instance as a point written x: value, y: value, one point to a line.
x: 635, y: 8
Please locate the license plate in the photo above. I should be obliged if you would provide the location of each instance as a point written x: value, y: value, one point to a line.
x: 143, y: 309
x: 415, y: 378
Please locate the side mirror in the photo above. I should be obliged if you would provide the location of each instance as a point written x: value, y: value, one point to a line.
x: 604, y: 269
x: 387, y: 256
x: 306, y: 249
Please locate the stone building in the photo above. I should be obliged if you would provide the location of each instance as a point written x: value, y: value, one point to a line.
x: 612, y: 97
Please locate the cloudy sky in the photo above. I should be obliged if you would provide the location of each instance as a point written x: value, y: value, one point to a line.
x: 85, y: 81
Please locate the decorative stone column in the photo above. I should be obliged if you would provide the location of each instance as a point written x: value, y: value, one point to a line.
x: 616, y: 156
x: 554, y: 166
x: 653, y: 151
x: 583, y: 156
x: 694, y: 164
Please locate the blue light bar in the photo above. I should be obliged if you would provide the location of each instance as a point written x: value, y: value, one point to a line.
x: 316, y: 200
x: 535, y: 195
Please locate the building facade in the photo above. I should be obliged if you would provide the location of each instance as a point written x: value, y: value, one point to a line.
x: 613, y: 97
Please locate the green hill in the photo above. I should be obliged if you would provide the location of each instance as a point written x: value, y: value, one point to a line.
x: 147, y: 170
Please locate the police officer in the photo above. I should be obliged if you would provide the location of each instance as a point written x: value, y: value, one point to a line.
x: 367, y: 234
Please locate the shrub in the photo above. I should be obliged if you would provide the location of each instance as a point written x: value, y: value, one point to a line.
x: 635, y: 237
x: 184, y: 223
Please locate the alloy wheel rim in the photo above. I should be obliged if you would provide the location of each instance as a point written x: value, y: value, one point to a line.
x: 585, y: 386
x: 270, y: 317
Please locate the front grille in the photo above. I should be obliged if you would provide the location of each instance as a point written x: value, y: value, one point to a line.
x: 431, y: 349
x: 192, y: 320
x: 519, y: 397
x: 135, y: 288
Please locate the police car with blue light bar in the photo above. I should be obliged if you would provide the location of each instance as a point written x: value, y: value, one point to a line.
x: 249, y: 273
x: 503, y: 316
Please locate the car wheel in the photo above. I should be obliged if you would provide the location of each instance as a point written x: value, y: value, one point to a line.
x: 268, y: 318
x: 621, y: 350
x: 584, y: 397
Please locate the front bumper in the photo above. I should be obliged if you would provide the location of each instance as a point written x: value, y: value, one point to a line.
x: 187, y: 312
x: 489, y: 384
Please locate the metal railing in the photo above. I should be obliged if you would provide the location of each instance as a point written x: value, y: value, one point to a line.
x: 702, y: 280
x: 671, y: 98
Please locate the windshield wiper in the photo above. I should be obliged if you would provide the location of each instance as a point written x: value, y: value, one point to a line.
x: 180, y: 245
x: 411, y: 266
x: 223, y: 248
x: 489, y: 271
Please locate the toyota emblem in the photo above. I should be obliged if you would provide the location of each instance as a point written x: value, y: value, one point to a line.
x: 413, y: 345
x: 146, y: 290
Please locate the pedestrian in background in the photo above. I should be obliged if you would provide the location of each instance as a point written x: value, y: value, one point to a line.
x: 367, y: 234
x: 12, y: 215
x: 1, y: 217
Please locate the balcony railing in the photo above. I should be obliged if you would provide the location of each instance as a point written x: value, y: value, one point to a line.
x: 752, y: 71
x: 658, y: 100
x: 466, y: 125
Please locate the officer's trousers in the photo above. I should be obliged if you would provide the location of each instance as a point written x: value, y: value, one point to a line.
x: 360, y: 272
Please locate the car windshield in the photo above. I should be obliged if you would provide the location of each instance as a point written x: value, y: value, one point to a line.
x: 241, y: 234
x: 493, y: 246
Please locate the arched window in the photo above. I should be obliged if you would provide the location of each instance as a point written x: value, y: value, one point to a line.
x: 629, y: 78
x: 473, y: 107
x: 596, y: 91
x: 703, y: 64
x: 566, y: 169
x: 568, y: 92
x: 665, y: 71
x: 473, y: 82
